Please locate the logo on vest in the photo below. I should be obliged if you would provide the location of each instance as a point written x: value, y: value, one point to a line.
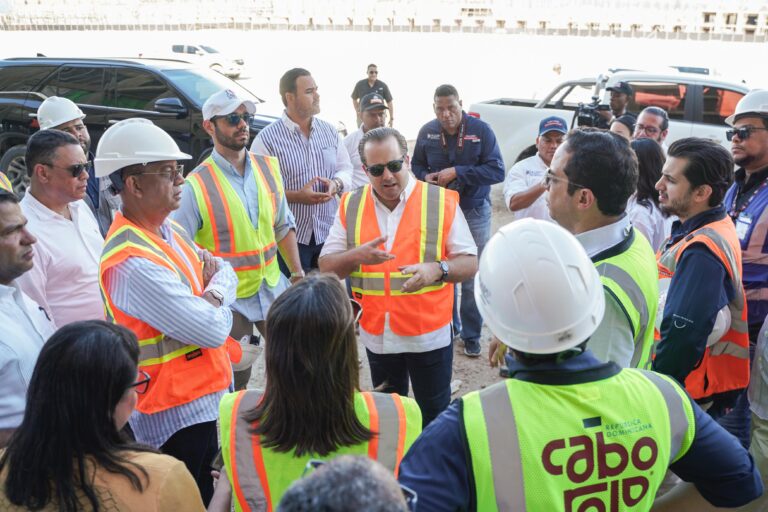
x: 608, y: 475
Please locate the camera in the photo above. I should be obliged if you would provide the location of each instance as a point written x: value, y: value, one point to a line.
x: 587, y: 114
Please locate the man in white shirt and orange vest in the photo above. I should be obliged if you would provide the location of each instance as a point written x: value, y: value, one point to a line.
x: 174, y: 297
x: 234, y: 205
x: 401, y: 241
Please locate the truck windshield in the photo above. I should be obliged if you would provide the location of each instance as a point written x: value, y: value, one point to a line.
x: 209, y: 49
x: 200, y: 83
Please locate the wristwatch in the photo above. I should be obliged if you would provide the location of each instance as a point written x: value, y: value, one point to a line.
x: 218, y: 296
x: 444, y: 267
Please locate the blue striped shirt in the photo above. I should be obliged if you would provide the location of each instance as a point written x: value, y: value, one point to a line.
x: 154, y: 294
x: 302, y: 159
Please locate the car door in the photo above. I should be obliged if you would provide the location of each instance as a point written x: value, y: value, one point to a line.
x: 133, y: 92
x: 675, y: 98
x: 717, y: 103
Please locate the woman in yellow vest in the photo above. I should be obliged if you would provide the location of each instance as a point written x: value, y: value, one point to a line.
x: 68, y: 453
x: 311, y: 407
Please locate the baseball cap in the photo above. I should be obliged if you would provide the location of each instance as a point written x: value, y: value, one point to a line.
x: 621, y: 87
x: 225, y: 102
x: 553, y: 124
x: 372, y: 101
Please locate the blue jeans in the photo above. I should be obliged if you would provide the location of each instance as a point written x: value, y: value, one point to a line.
x: 430, y: 374
x: 737, y: 420
x: 308, y: 255
x: 466, y: 318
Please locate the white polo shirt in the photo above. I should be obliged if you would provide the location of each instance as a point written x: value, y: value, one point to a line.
x: 65, y: 277
x: 522, y: 176
x: 25, y: 328
x: 352, y: 142
x: 459, y: 241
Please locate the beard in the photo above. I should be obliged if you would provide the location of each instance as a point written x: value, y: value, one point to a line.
x: 231, y: 142
x: 744, y: 160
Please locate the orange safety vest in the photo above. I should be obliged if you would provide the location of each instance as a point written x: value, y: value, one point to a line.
x: 180, y: 373
x: 421, y: 237
x: 725, y: 364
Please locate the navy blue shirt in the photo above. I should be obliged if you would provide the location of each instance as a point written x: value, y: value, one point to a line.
x: 478, y: 165
x: 92, y: 185
x: 438, y: 465
x: 699, y: 289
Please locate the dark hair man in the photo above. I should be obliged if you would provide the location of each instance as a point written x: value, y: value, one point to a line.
x: 620, y: 95
x: 373, y: 112
x: 652, y: 123
x: 371, y: 85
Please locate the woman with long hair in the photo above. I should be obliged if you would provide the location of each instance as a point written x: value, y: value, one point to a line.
x: 69, y: 454
x: 643, y: 206
x: 311, y: 407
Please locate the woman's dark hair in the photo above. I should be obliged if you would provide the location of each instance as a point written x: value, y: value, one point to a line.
x: 312, y: 371
x: 650, y: 161
x: 627, y: 120
x: 82, y: 372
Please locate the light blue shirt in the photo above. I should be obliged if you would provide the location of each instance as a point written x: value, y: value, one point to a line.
x: 255, y: 307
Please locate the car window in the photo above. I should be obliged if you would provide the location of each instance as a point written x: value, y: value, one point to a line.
x: 669, y: 96
x: 178, y: 48
x: 192, y: 49
x: 136, y: 89
x: 209, y: 49
x: 22, y: 78
x: 200, y: 83
x: 572, y: 94
x: 81, y: 84
x: 719, y: 104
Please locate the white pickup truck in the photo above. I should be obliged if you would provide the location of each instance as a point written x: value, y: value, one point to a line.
x: 697, y: 105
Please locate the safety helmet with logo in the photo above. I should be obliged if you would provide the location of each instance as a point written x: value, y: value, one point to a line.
x: 754, y: 102
x: 722, y: 320
x: 55, y: 111
x: 537, y: 289
x: 134, y: 141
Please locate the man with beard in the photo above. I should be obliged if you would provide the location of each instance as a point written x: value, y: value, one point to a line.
x: 313, y: 162
x: 621, y: 93
x: 652, y: 123
x: 702, y: 260
x: 56, y: 113
x: 233, y: 205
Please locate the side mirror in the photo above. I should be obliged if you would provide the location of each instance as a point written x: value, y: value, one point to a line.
x: 171, y: 106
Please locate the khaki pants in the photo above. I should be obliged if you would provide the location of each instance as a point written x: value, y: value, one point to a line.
x: 759, y: 451
x: 241, y: 326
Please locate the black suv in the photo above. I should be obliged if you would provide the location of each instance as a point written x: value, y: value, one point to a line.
x: 167, y: 92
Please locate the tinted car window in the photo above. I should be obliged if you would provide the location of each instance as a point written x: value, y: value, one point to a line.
x: 79, y: 84
x: 22, y: 78
x: 199, y: 84
x: 138, y: 90
x: 719, y: 104
x: 669, y: 96
x: 178, y: 48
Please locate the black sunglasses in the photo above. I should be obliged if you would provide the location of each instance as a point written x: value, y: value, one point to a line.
x: 75, y: 169
x: 743, y: 133
x: 378, y: 169
x: 234, y: 119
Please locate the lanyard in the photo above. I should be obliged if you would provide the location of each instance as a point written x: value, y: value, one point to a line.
x: 734, y: 213
x: 459, y: 141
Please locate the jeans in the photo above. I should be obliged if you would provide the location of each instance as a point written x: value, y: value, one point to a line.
x: 737, y: 419
x: 196, y: 447
x: 470, y: 323
x: 308, y: 255
x: 430, y: 374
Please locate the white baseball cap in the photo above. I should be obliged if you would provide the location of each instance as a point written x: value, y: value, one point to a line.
x: 225, y: 102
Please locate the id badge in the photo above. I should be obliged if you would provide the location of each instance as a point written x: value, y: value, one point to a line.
x: 742, y: 226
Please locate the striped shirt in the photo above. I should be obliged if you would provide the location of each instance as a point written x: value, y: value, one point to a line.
x: 302, y: 159
x: 154, y: 294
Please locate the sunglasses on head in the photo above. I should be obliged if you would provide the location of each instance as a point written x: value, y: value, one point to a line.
x: 743, y: 133
x: 378, y: 169
x: 76, y: 170
x: 234, y: 119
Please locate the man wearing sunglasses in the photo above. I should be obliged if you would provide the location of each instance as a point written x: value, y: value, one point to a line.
x: 402, y: 242
x: 371, y: 85
x: 460, y: 152
x: 65, y: 277
x: 233, y: 204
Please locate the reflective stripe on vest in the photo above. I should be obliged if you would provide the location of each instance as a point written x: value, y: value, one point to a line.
x: 227, y: 230
x: 725, y: 365
x: 5, y: 183
x: 522, y: 460
x: 259, y: 476
x: 630, y: 277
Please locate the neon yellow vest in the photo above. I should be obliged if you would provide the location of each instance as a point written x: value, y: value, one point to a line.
x: 227, y: 230
x: 541, y: 447
x: 5, y: 183
x: 260, y: 476
x: 632, y: 278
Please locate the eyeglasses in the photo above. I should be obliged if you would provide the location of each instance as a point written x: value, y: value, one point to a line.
x: 76, y: 170
x: 234, y: 119
x: 411, y: 498
x: 373, y: 72
x: 170, y: 172
x: 549, y: 177
x: 743, y: 132
x: 650, y: 130
x: 378, y: 169
x: 142, y: 383
x: 357, y: 310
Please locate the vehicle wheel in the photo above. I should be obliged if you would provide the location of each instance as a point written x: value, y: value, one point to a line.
x: 14, y: 166
x: 218, y: 68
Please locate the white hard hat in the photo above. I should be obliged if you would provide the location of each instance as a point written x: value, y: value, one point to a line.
x: 134, y: 141
x: 55, y: 111
x: 722, y: 320
x: 754, y: 102
x: 537, y: 289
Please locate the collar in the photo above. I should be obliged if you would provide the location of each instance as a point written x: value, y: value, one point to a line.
x: 9, y: 289
x: 404, y: 195
x: 541, y: 161
x: 598, y: 240
x: 584, y: 367
x: 290, y: 124
x: 756, y: 177
x: 46, y: 213
x: 681, y: 229
x: 227, y: 167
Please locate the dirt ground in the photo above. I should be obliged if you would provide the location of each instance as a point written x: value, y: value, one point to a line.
x: 469, y: 374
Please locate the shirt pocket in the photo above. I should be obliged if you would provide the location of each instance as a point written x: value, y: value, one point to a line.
x: 328, y: 164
